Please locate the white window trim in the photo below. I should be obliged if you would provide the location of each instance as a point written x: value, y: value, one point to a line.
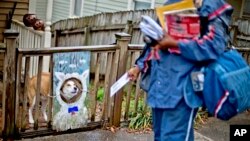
x: 71, y: 9
x: 131, y: 4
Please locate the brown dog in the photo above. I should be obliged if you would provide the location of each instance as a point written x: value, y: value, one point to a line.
x: 44, y: 94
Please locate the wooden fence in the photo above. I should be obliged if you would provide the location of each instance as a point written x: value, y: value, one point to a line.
x: 241, y: 32
x: 111, y: 111
x: 99, y: 30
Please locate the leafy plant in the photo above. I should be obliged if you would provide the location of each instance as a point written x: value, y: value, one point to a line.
x: 200, y: 118
x: 100, y: 94
x: 142, y: 120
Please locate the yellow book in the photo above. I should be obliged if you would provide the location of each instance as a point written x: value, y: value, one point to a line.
x: 185, y: 4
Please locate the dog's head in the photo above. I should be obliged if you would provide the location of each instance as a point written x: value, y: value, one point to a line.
x: 72, y: 86
x: 69, y: 89
x: 38, y: 25
x: 29, y: 19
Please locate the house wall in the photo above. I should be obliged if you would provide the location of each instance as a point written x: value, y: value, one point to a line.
x: 6, y: 6
x: 61, y: 10
x: 41, y: 8
x: 91, y: 7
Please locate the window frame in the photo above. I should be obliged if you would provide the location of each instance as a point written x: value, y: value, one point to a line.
x: 72, y: 9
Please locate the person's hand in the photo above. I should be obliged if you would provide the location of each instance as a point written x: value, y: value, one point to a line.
x: 167, y: 42
x: 133, y: 73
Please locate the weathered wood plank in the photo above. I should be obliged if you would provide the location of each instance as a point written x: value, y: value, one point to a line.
x: 122, y: 41
x: 107, y: 87
x: 43, y: 51
x: 129, y: 88
x: 25, y: 95
x: 19, y: 93
x: 50, y: 98
x: 95, y: 87
x: 137, y: 95
x: 38, y: 89
x: 9, y: 78
x: 112, y: 81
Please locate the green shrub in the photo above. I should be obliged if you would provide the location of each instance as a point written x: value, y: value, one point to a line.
x: 142, y: 120
x: 100, y: 94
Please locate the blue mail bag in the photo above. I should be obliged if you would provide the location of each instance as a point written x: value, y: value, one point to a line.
x: 227, y: 85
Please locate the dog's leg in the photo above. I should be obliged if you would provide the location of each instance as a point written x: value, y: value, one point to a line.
x: 44, y: 106
x: 31, y: 120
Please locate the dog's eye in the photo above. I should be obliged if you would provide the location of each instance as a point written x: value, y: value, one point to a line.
x: 68, y: 85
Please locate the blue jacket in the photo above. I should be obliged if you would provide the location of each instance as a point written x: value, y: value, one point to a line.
x: 170, y: 75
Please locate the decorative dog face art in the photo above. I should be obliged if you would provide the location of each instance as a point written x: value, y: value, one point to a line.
x: 70, y: 94
x: 70, y: 83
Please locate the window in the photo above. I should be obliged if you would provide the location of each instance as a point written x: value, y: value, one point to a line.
x: 142, y: 5
x: 76, y: 8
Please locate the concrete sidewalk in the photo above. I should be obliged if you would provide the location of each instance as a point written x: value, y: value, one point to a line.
x: 219, y: 130
x: 104, y: 135
x: 212, y: 130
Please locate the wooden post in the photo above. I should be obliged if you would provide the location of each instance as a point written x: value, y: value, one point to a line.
x: 122, y: 42
x: 9, y: 78
x: 86, y: 36
x: 129, y: 27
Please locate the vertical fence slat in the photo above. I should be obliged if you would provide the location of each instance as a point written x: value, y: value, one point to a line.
x: 113, y: 78
x: 95, y: 87
x: 145, y: 106
x: 18, y: 88
x: 38, y: 84
x: 26, y: 87
x: 51, y: 93
x: 129, y: 88
x: 137, y: 95
x: 106, y: 87
x: 4, y: 95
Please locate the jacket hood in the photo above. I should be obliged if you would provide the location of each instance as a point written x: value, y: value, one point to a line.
x: 215, y: 9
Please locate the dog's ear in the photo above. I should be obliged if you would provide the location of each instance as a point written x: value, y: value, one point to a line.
x: 60, y: 75
x: 85, y: 74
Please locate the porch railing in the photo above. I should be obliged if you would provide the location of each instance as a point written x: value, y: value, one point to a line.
x: 29, y: 38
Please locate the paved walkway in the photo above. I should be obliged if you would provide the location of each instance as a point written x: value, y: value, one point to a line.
x: 219, y: 130
x: 213, y: 130
x: 104, y: 135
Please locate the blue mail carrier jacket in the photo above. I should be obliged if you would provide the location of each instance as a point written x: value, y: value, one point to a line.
x: 170, y: 75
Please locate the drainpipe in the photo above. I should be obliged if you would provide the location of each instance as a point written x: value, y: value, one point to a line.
x: 47, y: 34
